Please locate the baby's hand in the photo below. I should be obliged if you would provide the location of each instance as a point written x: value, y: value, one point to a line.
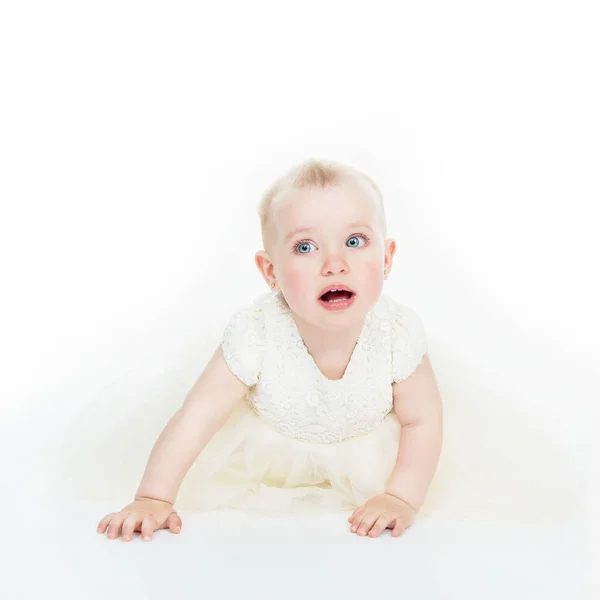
x: 145, y: 515
x: 382, y: 512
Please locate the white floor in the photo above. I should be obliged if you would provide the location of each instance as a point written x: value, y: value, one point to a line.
x: 50, y: 548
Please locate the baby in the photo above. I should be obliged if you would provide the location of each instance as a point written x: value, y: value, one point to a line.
x: 320, y: 395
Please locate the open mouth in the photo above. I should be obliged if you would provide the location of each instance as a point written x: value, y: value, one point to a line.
x: 337, y: 296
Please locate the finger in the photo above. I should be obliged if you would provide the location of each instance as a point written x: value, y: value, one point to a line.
x: 398, y: 528
x: 114, y: 527
x: 129, y: 526
x: 148, y: 527
x: 379, y: 526
x: 174, y: 523
x: 104, y: 523
x: 357, y: 519
x: 367, y: 523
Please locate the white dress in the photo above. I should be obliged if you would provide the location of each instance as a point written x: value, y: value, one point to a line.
x: 299, y: 441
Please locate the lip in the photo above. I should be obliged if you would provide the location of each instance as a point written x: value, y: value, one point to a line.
x: 336, y: 286
x: 338, y: 305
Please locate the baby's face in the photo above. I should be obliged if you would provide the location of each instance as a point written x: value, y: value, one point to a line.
x: 340, y: 242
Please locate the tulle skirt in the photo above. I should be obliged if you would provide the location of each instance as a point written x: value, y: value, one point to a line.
x: 249, y: 465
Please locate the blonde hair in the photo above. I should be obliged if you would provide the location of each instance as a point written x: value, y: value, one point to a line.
x: 312, y: 173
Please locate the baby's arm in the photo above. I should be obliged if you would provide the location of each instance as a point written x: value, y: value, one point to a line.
x: 205, y: 410
x: 418, y: 405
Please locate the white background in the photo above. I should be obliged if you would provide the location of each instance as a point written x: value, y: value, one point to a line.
x: 136, y: 138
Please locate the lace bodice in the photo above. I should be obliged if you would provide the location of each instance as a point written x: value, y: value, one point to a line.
x: 264, y: 349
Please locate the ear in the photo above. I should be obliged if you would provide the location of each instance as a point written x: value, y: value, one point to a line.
x: 390, y: 250
x: 265, y: 266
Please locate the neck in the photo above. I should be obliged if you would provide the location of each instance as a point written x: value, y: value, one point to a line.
x: 321, y: 341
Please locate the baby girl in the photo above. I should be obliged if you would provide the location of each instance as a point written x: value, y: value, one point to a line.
x: 321, y: 395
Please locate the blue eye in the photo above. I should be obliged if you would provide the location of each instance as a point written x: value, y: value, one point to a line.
x: 302, y: 245
x: 357, y: 237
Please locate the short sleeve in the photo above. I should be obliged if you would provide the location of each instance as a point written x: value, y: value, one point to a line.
x: 409, y: 343
x: 243, y: 343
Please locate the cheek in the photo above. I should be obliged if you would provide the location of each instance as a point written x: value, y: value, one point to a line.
x: 294, y: 280
x: 374, y: 273
x: 373, y: 278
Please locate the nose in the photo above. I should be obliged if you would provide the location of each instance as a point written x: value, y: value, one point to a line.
x: 335, y: 264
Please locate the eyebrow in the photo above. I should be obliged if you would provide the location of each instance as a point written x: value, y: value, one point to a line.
x: 311, y: 229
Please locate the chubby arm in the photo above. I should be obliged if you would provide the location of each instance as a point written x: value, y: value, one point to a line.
x: 204, y: 411
x: 418, y: 405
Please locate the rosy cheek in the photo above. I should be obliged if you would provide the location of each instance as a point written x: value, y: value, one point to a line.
x: 294, y: 281
x: 373, y: 280
x: 374, y: 274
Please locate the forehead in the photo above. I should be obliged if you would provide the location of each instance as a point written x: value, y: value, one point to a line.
x: 330, y: 208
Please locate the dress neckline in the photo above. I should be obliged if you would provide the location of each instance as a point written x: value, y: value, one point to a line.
x: 308, y: 356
